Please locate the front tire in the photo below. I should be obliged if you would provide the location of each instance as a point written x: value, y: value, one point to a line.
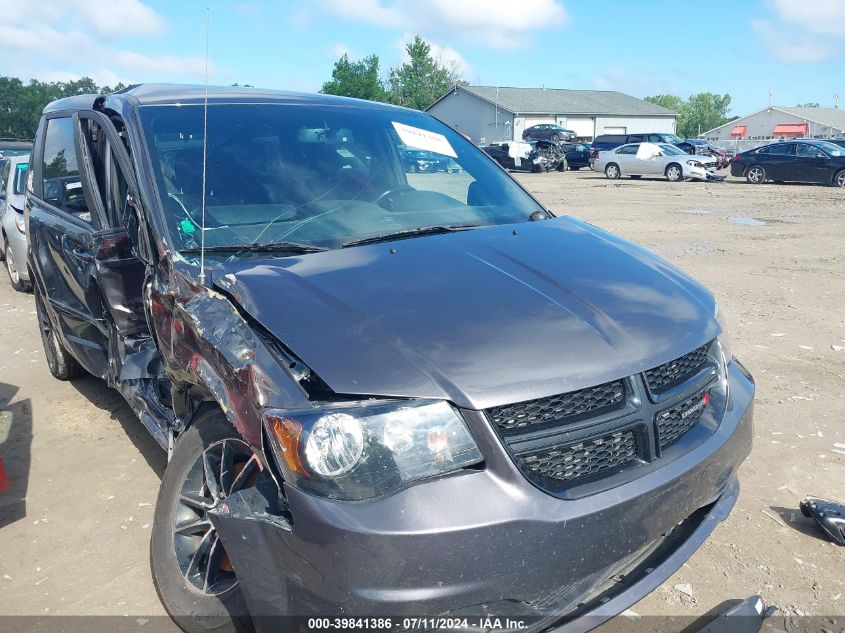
x: 612, y: 171
x: 191, y: 571
x: 59, y: 361
x: 18, y: 283
x: 674, y: 172
x: 756, y: 175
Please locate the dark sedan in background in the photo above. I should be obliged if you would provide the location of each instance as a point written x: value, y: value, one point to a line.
x: 548, y: 132
x: 793, y: 161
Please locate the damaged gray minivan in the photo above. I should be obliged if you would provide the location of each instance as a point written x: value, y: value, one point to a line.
x: 384, y: 393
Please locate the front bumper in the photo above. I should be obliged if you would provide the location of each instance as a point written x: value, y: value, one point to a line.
x: 488, y: 541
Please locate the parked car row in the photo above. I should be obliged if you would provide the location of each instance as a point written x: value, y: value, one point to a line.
x: 655, y: 159
x: 13, y: 244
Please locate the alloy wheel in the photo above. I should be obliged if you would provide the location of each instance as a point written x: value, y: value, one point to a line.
x: 224, y: 468
x: 673, y: 173
x: 840, y: 179
x: 755, y: 175
x: 14, y: 275
x: 612, y: 171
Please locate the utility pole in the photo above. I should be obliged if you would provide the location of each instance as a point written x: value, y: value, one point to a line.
x: 770, y: 98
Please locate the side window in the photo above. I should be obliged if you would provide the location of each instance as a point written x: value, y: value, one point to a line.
x: 61, y: 184
x: 764, y: 150
x: 807, y: 151
x: 628, y: 149
x: 636, y: 138
x: 782, y: 149
x: 19, y: 179
x: 654, y: 138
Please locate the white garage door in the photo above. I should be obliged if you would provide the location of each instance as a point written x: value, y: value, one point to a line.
x: 582, y: 126
x: 615, y: 130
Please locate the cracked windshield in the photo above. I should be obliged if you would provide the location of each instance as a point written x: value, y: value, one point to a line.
x: 320, y: 177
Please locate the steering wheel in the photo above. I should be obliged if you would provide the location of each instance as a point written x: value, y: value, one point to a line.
x: 387, y: 196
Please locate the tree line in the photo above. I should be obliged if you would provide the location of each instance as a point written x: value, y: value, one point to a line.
x: 700, y: 112
x: 416, y: 83
x: 21, y: 103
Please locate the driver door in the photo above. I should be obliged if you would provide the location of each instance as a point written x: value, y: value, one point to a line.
x: 61, y: 226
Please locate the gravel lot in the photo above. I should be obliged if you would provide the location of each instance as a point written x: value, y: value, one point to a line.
x: 84, y: 473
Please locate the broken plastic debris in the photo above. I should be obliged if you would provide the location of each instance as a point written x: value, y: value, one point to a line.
x: 829, y: 515
x: 778, y: 334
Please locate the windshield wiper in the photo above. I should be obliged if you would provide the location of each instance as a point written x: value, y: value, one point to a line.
x: 398, y: 235
x: 271, y: 247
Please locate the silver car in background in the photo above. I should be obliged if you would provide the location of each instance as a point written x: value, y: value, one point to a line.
x: 655, y: 159
x: 13, y: 173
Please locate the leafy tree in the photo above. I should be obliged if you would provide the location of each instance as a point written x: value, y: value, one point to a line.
x: 705, y: 111
x: 674, y: 103
x: 702, y: 111
x: 21, y: 104
x: 358, y: 79
x: 421, y: 80
x: 811, y: 104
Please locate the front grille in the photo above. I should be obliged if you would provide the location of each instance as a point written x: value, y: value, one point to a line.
x: 565, y: 407
x: 567, y: 462
x: 676, y: 371
x: 674, y: 422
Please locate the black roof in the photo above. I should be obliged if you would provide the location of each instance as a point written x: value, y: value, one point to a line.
x: 171, y: 94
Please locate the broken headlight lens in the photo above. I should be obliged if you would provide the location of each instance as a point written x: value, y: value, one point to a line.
x: 363, y: 450
x: 724, y: 338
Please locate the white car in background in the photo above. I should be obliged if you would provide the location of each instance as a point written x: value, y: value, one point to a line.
x: 655, y: 159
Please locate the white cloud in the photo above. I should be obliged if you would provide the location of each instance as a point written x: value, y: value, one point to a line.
x: 339, y: 50
x: 637, y: 82
x: 498, y: 24
x: 450, y: 58
x: 125, y: 17
x: 803, y: 32
x: 818, y: 16
x: 367, y: 11
x: 59, y: 40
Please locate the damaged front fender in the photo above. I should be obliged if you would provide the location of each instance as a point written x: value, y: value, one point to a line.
x: 211, y: 352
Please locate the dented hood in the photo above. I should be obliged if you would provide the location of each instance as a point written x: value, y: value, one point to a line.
x: 480, y: 318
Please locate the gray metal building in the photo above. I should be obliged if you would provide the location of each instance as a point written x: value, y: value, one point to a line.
x: 493, y: 113
x: 779, y: 122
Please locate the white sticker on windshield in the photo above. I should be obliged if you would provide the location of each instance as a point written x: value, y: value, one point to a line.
x: 73, y: 185
x: 423, y: 139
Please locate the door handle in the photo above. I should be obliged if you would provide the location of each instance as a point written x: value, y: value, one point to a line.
x: 81, y: 253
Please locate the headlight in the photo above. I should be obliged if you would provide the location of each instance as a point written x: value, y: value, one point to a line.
x: 367, y: 449
x: 20, y: 222
x: 724, y: 339
x: 695, y: 163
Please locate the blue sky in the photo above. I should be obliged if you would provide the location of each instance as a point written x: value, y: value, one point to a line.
x: 793, y: 47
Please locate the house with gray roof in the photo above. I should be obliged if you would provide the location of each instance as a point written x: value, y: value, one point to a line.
x: 780, y: 122
x: 495, y: 113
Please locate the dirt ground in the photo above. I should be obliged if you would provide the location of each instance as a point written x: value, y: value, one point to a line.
x: 75, y: 524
